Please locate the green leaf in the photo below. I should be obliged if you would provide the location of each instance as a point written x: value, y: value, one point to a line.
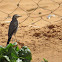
x: 3, y: 59
x: 12, y: 53
x: 8, y: 46
x: 14, y: 44
x: 45, y: 60
x: 2, y: 50
x: 25, y: 53
x: 7, y: 58
x: 16, y: 48
x: 18, y: 60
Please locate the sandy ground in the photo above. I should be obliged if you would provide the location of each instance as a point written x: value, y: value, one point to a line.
x: 42, y: 35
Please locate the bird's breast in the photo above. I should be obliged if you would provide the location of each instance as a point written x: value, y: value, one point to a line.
x: 16, y: 24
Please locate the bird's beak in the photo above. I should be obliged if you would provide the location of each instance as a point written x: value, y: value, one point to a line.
x: 19, y: 16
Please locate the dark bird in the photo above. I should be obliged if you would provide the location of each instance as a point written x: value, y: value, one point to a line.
x: 13, y: 27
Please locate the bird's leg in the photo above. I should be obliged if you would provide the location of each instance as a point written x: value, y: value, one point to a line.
x: 13, y: 39
x: 22, y: 44
x: 16, y: 38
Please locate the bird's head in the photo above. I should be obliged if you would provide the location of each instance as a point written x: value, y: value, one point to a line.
x: 16, y: 16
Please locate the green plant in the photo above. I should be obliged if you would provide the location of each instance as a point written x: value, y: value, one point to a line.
x: 14, y: 54
x: 44, y: 60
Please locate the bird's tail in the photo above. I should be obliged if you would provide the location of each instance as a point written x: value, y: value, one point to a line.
x: 9, y: 40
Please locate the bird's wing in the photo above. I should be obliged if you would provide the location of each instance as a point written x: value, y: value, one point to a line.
x: 12, y: 29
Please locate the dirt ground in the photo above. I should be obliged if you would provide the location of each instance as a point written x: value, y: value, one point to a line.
x: 42, y: 35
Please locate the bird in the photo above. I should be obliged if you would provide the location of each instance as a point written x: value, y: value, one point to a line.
x: 13, y: 27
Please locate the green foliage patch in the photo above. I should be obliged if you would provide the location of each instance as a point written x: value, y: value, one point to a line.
x: 14, y: 54
x: 44, y: 60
